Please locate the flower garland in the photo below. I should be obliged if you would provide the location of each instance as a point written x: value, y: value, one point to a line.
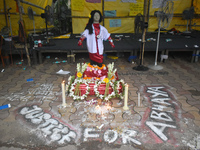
x: 101, y: 96
x: 117, y: 86
x: 77, y: 96
x: 100, y: 68
x: 96, y: 78
x: 70, y: 81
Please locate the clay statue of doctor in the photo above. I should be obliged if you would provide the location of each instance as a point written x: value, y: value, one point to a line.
x: 95, y: 34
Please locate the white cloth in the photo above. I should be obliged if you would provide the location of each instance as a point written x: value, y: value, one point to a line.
x: 63, y: 72
x: 91, y: 41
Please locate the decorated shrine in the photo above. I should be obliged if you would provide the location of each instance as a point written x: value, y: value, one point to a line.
x: 103, y: 82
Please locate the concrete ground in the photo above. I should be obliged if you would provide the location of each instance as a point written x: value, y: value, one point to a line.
x: 165, y: 117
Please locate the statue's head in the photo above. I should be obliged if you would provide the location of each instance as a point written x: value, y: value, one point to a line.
x: 96, y: 16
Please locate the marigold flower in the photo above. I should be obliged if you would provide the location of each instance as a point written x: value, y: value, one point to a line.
x: 106, y: 80
x: 79, y: 74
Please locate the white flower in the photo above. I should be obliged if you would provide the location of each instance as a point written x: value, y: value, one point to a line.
x: 69, y: 79
x: 114, y: 71
x: 84, y: 67
x: 78, y: 67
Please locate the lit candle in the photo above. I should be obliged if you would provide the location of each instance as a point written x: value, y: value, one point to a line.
x: 138, y: 99
x: 63, y: 94
x: 97, y: 107
x: 126, y: 98
x: 108, y: 107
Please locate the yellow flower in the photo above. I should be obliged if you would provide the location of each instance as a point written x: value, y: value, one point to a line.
x: 106, y: 80
x: 79, y: 74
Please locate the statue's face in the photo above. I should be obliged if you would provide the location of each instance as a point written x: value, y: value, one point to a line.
x: 96, y: 17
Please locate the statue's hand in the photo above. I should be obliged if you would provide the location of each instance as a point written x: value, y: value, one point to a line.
x: 80, y: 43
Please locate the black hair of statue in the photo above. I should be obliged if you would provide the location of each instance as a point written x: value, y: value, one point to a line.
x: 91, y: 20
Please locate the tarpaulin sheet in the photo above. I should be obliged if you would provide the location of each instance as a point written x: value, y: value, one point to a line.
x: 125, y: 9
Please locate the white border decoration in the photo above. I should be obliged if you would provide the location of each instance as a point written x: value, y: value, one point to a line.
x: 101, y: 96
x: 121, y: 95
x: 72, y: 89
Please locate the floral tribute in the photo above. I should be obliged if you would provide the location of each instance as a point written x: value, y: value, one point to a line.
x: 102, y: 82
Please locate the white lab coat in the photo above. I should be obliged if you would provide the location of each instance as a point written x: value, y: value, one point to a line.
x: 91, y: 41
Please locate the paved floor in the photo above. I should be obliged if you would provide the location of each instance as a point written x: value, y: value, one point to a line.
x: 166, y: 116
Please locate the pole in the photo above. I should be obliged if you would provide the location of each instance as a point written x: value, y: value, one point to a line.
x: 10, y: 22
x: 103, y: 11
x: 22, y: 1
x: 149, y: 2
x: 158, y: 41
x: 25, y: 40
x: 11, y: 35
x: 4, y: 2
x: 191, y: 19
x: 140, y: 67
x: 145, y: 29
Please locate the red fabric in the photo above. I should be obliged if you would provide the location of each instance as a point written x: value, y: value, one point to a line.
x: 81, y: 40
x: 97, y: 27
x: 102, y: 86
x: 111, y: 42
x: 96, y: 56
x: 94, y: 73
x: 101, y: 89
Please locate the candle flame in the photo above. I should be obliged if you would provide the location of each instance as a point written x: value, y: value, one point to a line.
x: 97, y: 107
x: 108, y: 106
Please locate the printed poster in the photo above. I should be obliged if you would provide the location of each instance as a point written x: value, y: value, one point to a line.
x: 136, y: 8
x: 115, y: 22
x: 110, y: 13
